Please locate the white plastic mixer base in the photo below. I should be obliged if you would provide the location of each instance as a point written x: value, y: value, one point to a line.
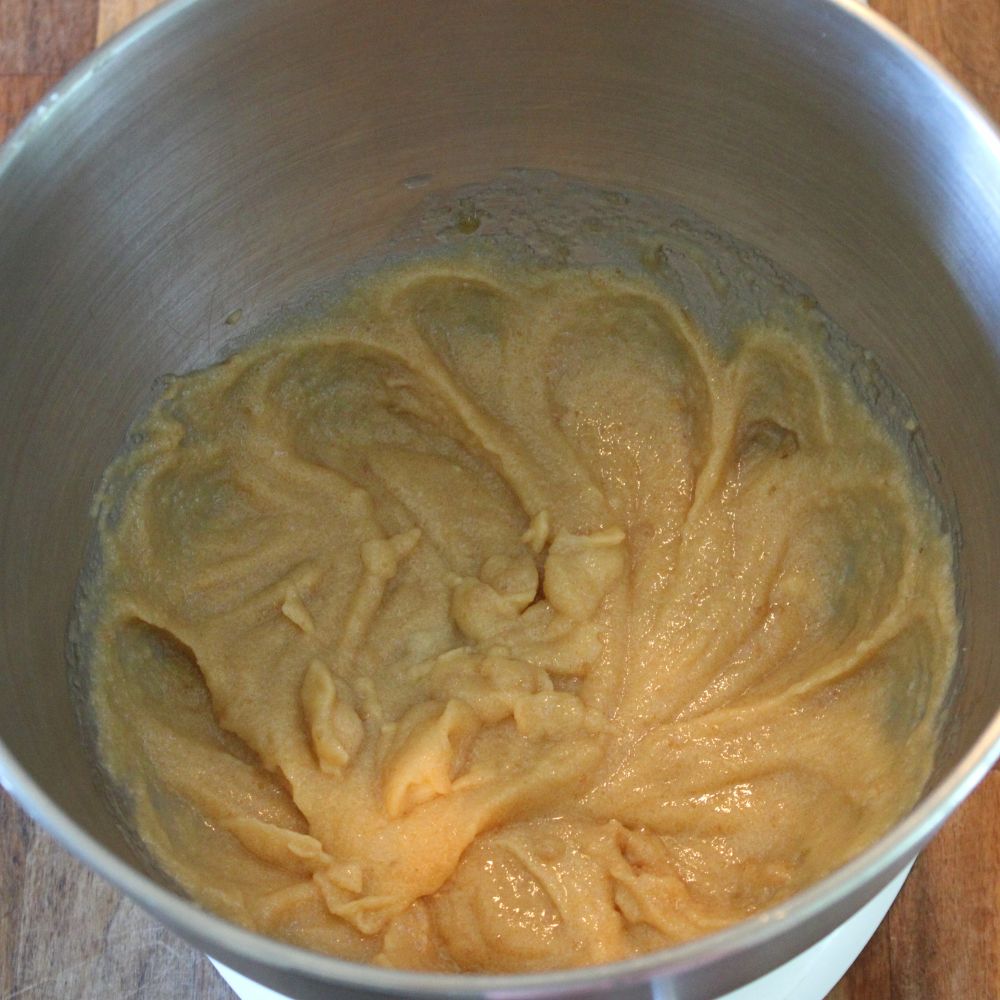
x: 809, y: 976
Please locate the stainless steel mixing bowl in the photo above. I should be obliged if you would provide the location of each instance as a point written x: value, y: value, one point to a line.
x: 223, y: 155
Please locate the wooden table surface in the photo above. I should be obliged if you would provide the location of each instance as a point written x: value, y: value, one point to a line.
x: 67, y: 935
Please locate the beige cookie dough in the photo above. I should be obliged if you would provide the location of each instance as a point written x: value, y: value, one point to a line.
x: 499, y: 622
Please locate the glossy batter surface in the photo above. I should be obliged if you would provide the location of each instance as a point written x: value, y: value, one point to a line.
x: 501, y: 623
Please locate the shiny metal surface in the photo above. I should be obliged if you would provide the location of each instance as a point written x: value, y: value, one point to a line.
x: 221, y: 156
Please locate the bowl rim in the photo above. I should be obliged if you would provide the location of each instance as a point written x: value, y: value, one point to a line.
x: 873, y: 867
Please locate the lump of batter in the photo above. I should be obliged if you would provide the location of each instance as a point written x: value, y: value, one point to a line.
x: 500, y: 622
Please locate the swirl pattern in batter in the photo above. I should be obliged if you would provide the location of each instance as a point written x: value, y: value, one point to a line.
x: 500, y: 622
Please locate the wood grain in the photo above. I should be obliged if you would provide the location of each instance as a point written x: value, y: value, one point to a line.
x: 67, y: 935
x: 113, y: 15
x: 45, y: 36
x: 40, y: 41
x: 963, y: 35
x: 19, y: 92
x: 941, y: 939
